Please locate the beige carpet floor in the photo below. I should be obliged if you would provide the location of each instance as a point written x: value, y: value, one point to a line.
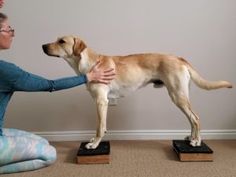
x: 141, y: 159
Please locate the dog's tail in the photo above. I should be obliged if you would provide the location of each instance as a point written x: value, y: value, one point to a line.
x: 205, y: 84
x: 208, y: 85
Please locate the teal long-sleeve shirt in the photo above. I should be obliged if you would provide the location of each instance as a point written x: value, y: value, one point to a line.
x: 13, y: 78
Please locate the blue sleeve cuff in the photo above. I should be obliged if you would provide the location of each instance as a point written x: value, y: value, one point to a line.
x: 85, y: 78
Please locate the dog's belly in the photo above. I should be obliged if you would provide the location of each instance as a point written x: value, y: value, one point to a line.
x: 118, y: 93
x: 118, y: 90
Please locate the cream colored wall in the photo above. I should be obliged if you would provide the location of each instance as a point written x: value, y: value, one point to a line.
x: 201, y: 31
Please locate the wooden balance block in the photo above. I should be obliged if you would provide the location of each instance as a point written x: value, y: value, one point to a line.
x: 187, y: 153
x: 100, y: 155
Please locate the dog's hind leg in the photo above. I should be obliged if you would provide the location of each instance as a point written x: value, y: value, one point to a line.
x: 185, y: 107
x: 178, y: 89
x: 102, y: 106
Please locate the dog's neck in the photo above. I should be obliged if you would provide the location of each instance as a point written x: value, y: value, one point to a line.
x: 87, y: 61
x: 73, y: 61
x: 82, y: 64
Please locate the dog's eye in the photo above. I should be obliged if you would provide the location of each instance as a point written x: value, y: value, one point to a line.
x: 61, y: 41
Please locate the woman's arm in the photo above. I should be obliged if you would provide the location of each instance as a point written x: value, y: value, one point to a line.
x: 31, y: 83
x: 19, y: 80
x: 13, y: 78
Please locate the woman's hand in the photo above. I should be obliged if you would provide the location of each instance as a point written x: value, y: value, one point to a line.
x: 99, y: 75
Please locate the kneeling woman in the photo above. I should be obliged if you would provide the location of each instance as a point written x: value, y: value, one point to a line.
x: 20, y: 150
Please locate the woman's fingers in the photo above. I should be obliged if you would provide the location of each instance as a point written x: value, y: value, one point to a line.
x: 109, y: 72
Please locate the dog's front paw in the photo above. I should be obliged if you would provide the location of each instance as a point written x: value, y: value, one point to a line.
x: 93, y: 144
x: 92, y: 140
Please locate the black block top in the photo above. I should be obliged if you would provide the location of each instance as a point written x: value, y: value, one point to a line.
x: 183, y: 146
x: 102, y: 149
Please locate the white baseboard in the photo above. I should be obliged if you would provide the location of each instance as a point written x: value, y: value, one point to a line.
x: 135, y: 135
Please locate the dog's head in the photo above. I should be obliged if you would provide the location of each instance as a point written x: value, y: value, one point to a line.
x: 65, y: 47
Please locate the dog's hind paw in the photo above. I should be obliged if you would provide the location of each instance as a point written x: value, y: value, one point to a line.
x: 195, y: 142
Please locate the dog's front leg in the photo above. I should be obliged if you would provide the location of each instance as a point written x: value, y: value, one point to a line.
x: 102, y: 105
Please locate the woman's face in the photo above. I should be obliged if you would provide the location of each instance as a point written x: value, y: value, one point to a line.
x: 1, y: 3
x: 6, y: 35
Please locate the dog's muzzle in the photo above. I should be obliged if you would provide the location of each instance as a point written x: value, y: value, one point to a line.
x: 46, y: 50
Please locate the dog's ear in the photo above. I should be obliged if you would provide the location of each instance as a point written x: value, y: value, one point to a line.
x: 79, y: 46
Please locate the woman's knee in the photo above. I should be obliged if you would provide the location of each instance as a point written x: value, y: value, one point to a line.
x: 51, y: 155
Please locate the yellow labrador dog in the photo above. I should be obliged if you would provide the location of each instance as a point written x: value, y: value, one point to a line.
x: 133, y: 72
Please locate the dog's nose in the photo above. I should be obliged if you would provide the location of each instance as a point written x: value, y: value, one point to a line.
x: 45, y: 48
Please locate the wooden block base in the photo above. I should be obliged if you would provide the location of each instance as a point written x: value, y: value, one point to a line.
x: 100, y: 155
x: 187, y: 153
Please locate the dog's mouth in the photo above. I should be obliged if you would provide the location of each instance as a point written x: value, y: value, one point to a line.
x: 52, y: 55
